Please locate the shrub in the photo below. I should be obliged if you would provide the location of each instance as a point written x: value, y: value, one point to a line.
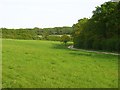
x: 65, y: 39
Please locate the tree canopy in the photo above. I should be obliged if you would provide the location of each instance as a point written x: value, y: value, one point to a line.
x: 101, y: 31
x: 65, y: 38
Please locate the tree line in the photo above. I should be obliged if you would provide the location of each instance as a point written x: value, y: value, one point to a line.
x: 36, y: 33
x: 101, y: 31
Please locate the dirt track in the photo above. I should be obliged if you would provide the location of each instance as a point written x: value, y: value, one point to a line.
x: 71, y: 47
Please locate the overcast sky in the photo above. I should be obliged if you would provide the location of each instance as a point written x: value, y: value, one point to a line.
x: 45, y: 13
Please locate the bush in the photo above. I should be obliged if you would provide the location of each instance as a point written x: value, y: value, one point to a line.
x: 65, y: 38
x: 54, y: 37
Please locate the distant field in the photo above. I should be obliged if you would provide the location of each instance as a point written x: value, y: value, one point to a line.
x: 49, y: 64
x: 59, y: 35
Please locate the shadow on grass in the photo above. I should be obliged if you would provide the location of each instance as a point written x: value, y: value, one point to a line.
x: 60, y: 46
x: 81, y: 54
x: 94, y: 55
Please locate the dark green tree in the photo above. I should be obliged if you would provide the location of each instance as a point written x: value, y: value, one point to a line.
x: 101, y: 31
x: 65, y: 38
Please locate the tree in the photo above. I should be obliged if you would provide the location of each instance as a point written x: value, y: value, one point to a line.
x: 45, y: 35
x: 65, y: 38
x: 101, y: 31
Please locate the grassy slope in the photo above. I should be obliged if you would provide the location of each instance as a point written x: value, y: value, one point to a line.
x: 50, y: 64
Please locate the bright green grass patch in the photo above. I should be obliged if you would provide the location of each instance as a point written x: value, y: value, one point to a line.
x: 48, y: 64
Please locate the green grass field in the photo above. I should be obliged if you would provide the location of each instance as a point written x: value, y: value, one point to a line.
x: 49, y: 64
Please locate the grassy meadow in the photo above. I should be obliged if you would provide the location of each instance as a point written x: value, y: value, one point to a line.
x: 49, y: 64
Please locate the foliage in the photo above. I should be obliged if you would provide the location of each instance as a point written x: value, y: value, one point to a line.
x: 65, y: 38
x: 54, y: 31
x: 45, y: 35
x: 54, y: 37
x: 18, y: 34
x: 34, y: 33
x: 101, y: 31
